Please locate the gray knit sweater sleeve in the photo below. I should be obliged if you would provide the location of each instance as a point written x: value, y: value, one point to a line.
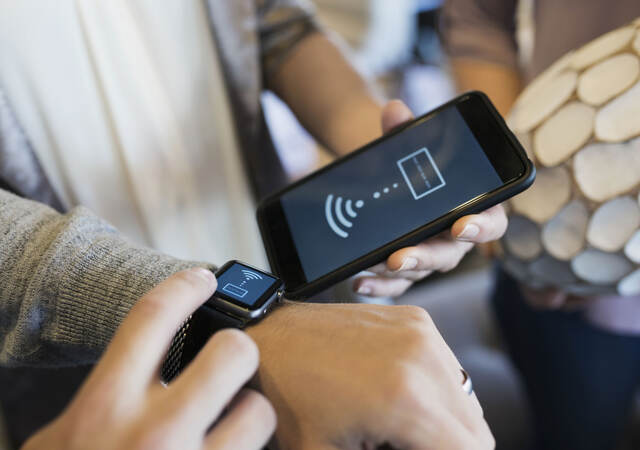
x: 66, y: 283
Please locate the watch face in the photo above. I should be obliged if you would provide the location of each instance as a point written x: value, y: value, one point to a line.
x: 245, y: 286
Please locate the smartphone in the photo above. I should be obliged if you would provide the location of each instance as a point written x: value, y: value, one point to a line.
x: 392, y: 193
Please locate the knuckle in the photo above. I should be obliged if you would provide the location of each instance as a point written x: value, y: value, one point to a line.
x: 418, y: 344
x: 455, y: 259
x: 239, y: 344
x: 427, y: 259
x: 416, y: 315
x: 82, y: 415
x: 189, y: 278
x: 448, y: 267
x: 486, y: 437
x: 419, y: 335
x: 263, y: 409
x: 421, y: 274
x: 144, y: 437
x: 402, y: 388
x: 149, y: 306
x: 491, y: 442
x: 481, y: 433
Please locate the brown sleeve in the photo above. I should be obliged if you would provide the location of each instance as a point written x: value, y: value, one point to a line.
x: 282, y: 24
x: 480, y: 29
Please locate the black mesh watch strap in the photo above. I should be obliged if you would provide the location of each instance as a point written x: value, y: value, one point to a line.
x: 192, y: 336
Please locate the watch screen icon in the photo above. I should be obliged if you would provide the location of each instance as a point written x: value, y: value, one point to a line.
x: 234, y: 290
x: 242, y: 283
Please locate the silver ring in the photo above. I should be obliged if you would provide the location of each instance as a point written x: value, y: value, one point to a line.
x: 467, y: 384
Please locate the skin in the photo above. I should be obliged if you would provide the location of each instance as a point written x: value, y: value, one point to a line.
x: 393, y: 380
x: 123, y: 404
x: 502, y: 84
x: 338, y: 376
x: 339, y: 108
x: 359, y: 376
x: 355, y: 376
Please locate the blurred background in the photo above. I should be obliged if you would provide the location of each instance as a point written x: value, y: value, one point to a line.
x: 396, y: 43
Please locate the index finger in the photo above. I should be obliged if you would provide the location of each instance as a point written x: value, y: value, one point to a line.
x: 435, y: 254
x: 489, y: 225
x: 142, y: 340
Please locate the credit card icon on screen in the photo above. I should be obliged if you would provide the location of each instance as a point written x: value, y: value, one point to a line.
x: 234, y: 290
x: 421, y: 173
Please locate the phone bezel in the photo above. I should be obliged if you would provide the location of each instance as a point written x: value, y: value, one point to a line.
x: 517, y: 173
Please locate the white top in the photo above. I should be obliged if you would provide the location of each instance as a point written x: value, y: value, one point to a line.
x: 126, y: 107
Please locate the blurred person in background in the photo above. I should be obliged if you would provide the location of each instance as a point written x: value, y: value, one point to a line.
x: 580, y: 368
x: 378, y: 37
x: 149, y: 114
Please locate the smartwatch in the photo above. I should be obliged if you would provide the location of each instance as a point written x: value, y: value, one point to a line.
x: 244, y: 295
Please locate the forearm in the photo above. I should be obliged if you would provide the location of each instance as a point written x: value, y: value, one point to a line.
x: 66, y: 283
x: 480, y: 38
x: 501, y: 83
x: 331, y: 100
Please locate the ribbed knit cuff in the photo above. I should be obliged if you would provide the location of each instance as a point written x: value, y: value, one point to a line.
x: 103, y: 284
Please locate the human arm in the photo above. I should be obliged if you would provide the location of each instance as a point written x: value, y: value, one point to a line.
x: 313, y: 76
x: 359, y: 376
x: 64, y: 261
x: 123, y: 405
x: 331, y: 100
x: 501, y: 83
x: 308, y: 68
x: 479, y: 37
x: 66, y: 283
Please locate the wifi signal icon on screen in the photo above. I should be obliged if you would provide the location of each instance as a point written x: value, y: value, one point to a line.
x: 249, y: 275
x: 332, y: 209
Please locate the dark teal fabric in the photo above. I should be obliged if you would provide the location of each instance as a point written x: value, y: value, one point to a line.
x: 580, y: 379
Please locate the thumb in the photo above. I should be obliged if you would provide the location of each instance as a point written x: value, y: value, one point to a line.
x: 395, y: 113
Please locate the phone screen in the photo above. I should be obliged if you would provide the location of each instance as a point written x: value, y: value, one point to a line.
x: 386, y: 191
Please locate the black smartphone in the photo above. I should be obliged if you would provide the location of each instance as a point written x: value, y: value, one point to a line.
x: 394, y: 192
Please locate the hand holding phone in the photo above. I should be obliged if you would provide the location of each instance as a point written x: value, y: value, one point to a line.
x: 395, y: 192
x: 437, y: 254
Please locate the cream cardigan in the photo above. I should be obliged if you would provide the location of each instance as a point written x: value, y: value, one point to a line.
x: 127, y: 110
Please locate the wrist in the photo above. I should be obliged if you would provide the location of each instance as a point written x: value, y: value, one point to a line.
x: 262, y: 331
x: 265, y: 333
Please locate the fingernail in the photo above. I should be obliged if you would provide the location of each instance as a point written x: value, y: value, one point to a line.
x: 408, y: 264
x: 205, y: 274
x: 470, y: 231
x: 364, y: 290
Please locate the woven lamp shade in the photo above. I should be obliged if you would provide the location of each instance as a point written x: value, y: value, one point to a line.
x: 578, y: 227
